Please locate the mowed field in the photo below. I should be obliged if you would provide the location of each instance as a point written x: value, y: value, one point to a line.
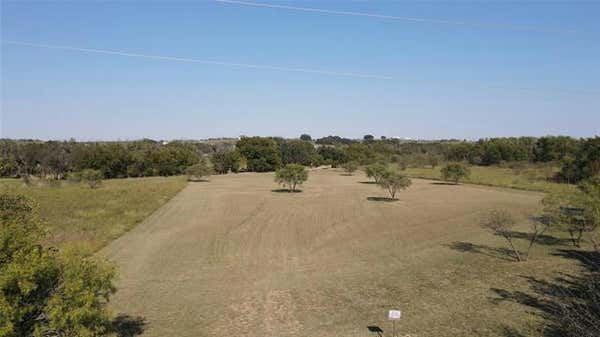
x: 232, y: 257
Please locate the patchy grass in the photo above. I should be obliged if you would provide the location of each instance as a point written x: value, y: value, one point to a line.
x: 529, y: 179
x: 77, y: 214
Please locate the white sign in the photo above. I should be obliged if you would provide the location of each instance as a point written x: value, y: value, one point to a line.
x: 394, y: 315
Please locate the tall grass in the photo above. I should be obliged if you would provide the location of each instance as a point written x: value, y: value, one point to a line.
x: 530, y: 178
x: 77, y: 214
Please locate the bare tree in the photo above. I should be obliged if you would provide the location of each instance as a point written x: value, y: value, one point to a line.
x: 501, y: 222
x: 538, y: 226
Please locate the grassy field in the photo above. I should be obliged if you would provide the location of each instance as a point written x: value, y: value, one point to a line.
x: 76, y: 214
x: 232, y: 257
x: 530, y: 179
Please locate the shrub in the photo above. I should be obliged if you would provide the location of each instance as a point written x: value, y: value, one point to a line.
x: 393, y: 181
x: 196, y: 172
x: 376, y: 171
x: 350, y: 167
x: 92, y: 177
x: 291, y: 175
x: 455, y: 172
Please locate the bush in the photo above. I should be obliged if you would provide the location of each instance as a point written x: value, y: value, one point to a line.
x: 291, y: 175
x: 376, y: 171
x: 393, y: 181
x: 196, y: 172
x: 350, y: 167
x: 45, y: 292
x: 91, y: 177
x: 455, y: 172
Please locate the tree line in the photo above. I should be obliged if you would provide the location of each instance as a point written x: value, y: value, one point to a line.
x: 578, y: 158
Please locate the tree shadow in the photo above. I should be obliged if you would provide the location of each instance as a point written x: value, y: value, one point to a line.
x: 285, y: 190
x: 368, y: 182
x: 569, y: 304
x: 382, y: 199
x: 346, y: 174
x: 375, y: 329
x: 443, y: 183
x: 544, y: 239
x: 468, y: 247
x: 198, y: 180
x: 128, y: 326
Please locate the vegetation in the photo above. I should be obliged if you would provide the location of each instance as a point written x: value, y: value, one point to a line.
x: 262, y: 154
x: 43, y: 291
x: 93, y: 178
x: 298, y: 152
x: 393, y: 182
x: 291, y: 175
x: 350, y: 167
x: 376, y: 171
x: 455, y: 172
x: 196, y: 172
x: 93, y: 217
x: 226, y: 161
x: 501, y: 223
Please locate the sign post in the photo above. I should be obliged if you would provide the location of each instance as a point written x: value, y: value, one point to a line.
x: 394, y: 315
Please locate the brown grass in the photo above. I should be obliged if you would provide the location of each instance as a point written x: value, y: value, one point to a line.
x: 231, y: 258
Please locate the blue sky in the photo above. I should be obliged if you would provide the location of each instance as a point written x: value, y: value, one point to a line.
x: 514, y: 68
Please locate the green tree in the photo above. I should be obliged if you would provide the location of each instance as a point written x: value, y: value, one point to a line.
x: 43, y: 291
x: 393, y: 182
x: 91, y: 177
x: 262, y: 154
x: 455, y: 172
x: 224, y: 162
x: 297, y: 152
x: 291, y: 175
x: 376, y: 171
x: 350, y: 167
x: 305, y: 137
x: 332, y: 155
x: 196, y: 172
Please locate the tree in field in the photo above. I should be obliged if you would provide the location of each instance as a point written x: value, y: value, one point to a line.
x: 538, y: 226
x: 455, y: 172
x: 368, y: 138
x: 501, y: 222
x: 350, y: 167
x: 305, y: 137
x: 393, y: 181
x: 291, y: 175
x: 196, y: 172
x: 376, y: 171
x: 91, y: 177
x: 44, y: 291
x: 576, y: 212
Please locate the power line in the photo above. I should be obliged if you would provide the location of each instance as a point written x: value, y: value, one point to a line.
x: 288, y: 69
x: 201, y: 61
x: 401, y: 18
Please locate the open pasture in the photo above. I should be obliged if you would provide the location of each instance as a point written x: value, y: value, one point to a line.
x: 234, y: 257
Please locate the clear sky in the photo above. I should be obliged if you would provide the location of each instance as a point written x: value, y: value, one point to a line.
x: 471, y: 69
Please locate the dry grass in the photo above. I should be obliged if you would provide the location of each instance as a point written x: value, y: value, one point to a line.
x: 231, y: 258
x: 77, y: 214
